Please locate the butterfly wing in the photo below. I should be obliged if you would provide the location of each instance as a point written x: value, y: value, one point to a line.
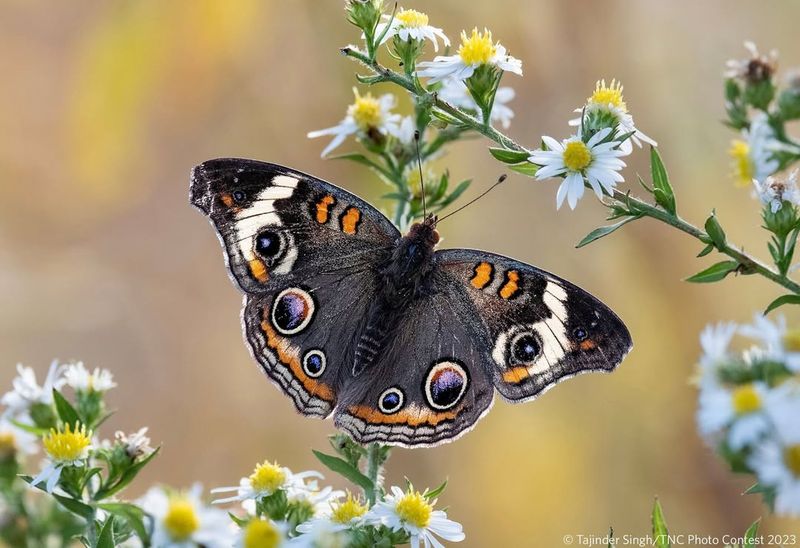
x: 538, y: 328
x: 304, y: 251
x: 431, y: 383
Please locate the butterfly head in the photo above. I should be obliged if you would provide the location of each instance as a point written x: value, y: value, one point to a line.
x: 425, y: 232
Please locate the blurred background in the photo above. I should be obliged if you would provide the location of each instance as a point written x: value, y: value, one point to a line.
x: 106, y: 106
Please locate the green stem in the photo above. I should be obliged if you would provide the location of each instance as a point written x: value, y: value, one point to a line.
x: 749, y: 264
x: 374, y: 463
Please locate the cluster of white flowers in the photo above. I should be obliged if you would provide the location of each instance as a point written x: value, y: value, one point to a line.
x: 333, y: 515
x: 749, y: 405
x: 369, y: 116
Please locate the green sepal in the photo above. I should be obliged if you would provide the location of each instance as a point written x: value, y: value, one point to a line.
x: 715, y: 232
x: 714, y: 273
x: 127, y: 477
x: 706, y: 250
x: 430, y: 495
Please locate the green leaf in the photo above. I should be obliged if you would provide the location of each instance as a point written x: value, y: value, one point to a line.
x: 706, y: 250
x: 66, y: 412
x: 75, y: 506
x: 750, y: 534
x: 430, y: 495
x: 106, y: 537
x: 660, y: 532
x: 598, y: 233
x: 35, y: 430
x: 132, y: 514
x: 644, y: 185
x: 509, y: 156
x: 782, y: 300
x: 126, y: 478
x: 714, y: 273
x: 715, y: 232
x: 662, y: 189
x: 345, y: 469
x: 525, y: 168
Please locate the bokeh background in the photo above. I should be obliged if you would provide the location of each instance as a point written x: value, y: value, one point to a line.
x: 106, y: 105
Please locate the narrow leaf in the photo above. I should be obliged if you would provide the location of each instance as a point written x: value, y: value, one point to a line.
x: 782, y: 300
x: 525, y: 168
x: 106, y: 537
x: 345, y: 469
x: 750, y: 534
x: 66, y: 412
x: 714, y: 273
x: 75, y: 506
x: 459, y: 190
x: 430, y: 495
x: 660, y: 531
x: 509, y: 156
x: 132, y: 514
x: 715, y: 232
x: 665, y: 197
x: 126, y: 478
x: 598, y: 233
x: 706, y: 250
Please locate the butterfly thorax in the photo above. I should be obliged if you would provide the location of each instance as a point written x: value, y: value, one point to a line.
x: 404, y: 277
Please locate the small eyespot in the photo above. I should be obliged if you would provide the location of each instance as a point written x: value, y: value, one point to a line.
x: 314, y: 362
x: 525, y: 348
x: 391, y: 400
x: 292, y: 310
x: 239, y: 196
x: 580, y: 334
x: 268, y: 244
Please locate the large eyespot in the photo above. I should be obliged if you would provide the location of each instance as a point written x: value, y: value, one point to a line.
x: 391, y: 400
x: 292, y: 310
x: 314, y: 362
x: 239, y: 196
x: 524, y: 348
x: 445, y: 384
x: 269, y: 245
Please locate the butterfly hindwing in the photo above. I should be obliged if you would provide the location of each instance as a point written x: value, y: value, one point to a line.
x: 540, y: 328
x: 304, y: 252
x: 430, y: 384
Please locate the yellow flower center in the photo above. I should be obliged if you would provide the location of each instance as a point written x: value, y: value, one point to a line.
x: 791, y: 340
x: 181, y: 519
x: 577, y: 156
x: 791, y: 456
x: 611, y: 94
x: 67, y: 445
x: 366, y: 111
x: 8, y: 444
x: 413, y: 508
x: 346, y: 511
x: 267, y: 477
x: 261, y: 534
x: 746, y: 399
x: 476, y: 49
x: 412, y: 18
x: 742, y: 166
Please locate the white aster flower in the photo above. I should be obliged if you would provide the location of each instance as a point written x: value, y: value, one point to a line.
x: 714, y: 340
x: 136, y: 444
x: 339, y: 516
x: 456, y: 93
x: 776, y: 461
x: 608, y: 100
x: 79, y: 378
x: 754, y: 69
x: 181, y: 520
x: 752, y: 155
x: 411, y: 25
x: 774, y: 191
x: 266, y: 479
x: 27, y: 391
x: 475, y: 50
x: 413, y: 513
x: 406, y: 130
x: 15, y: 441
x: 365, y: 115
x: 741, y: 408
x: 320, y: 533
x: 64, y: 447
x: 780, y: 343
x: 262, y: 533
x: 595, y: 161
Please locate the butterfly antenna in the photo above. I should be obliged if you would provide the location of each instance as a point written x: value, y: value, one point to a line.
x: 472, y: 201
x: 421, y: 179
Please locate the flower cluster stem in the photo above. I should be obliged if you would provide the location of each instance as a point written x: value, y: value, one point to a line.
x: 749, y: 264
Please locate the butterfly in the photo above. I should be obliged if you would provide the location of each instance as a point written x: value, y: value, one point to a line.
x: 402, y: 343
